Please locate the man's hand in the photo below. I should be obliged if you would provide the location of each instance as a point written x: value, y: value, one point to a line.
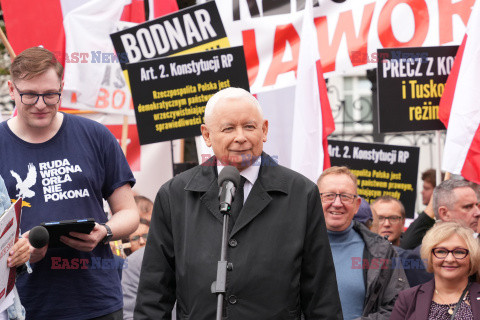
x: 85, y: 242
x: 35, y: 254
x: 19, y: 254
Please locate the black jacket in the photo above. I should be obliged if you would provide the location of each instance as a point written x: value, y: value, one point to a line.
x: 383, y: 279
x: 282, y: 263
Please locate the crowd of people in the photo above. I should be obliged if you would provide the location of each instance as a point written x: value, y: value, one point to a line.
x: 295, y: 249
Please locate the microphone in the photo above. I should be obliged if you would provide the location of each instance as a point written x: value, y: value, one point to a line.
x: 38, y: 237
x: 228, y: 180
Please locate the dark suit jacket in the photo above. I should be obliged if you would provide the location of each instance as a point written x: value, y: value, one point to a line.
x: 414, y: 303
x: 282, y: 263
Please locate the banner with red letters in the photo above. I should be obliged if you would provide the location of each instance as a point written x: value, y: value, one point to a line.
x: 348, y: 32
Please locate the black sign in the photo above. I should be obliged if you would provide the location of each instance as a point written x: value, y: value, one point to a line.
x: 380, y: 169
x: 196, y: 28
x: 410, y: 84
x: 170, y: 94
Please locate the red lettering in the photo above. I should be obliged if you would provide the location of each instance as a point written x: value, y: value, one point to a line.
x: 356, y: 262
x: 65, y: 264
x: 84, y: 56
x: 283, y: 34
x: 74, y: 263
x: 122, y: 95
x: 385, y: 263
x: 102, y: 99
x: 251, y: 54
x: 56, y: 262
x: 84, y: 263
x: 446, y: 10
x: 365, y: 264
x: 421, y: 21
x: 74, y: 57
x: 357, y: 46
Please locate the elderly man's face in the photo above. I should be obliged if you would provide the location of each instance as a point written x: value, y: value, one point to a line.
x: 465, y: 208
x: 339, y: 214
x: 236, y: 131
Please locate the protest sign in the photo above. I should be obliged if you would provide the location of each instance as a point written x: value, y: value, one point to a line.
x: 170, y: 94
x: 410, y: 83
x: 9, y: 230
x: 380, y: 169
x: 192, y: 29
x: 348, y: 32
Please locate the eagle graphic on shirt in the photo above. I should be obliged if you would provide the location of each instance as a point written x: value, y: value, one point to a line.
x: 23, y: 186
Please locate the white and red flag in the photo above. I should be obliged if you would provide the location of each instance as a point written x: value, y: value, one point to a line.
x: 312, y: 115
x: 460, y: 106
x: 78, y: 32
x: 76, y: 29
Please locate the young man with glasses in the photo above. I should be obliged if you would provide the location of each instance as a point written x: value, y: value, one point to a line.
x: 367, y: 281
x: 388, y: 218
x: 63, y: 167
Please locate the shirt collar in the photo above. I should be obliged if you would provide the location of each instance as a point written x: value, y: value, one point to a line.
x: 250, y: 173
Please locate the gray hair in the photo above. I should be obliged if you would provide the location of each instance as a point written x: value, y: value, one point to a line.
x: 234, y: 93
x: 443, y: 194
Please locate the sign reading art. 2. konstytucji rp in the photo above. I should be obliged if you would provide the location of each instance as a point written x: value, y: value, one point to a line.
x: 170, y: 94
x: 380, y: 169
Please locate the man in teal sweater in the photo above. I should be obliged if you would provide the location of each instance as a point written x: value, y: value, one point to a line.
x: 368, y: 281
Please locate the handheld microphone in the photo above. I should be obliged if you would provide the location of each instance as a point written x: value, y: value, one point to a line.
x: 38, y: 237
x: 228, y: 180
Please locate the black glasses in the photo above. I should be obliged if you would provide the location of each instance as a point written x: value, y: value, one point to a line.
x: 328, y: 197
x: 442, y: 253
x: 136, y: 238
x: 30, y: 99
x: 391, y: 219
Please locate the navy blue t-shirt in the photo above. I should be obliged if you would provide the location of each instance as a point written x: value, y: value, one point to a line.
x: 66, y: 178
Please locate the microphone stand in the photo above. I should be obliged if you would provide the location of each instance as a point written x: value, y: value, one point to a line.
x: 219, y: 286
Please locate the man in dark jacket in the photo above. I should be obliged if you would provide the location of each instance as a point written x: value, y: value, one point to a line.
x: 368, y: 278
x: 282, y: 265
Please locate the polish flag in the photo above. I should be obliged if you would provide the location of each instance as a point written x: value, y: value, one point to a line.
x: 459, y: 108
x: 312, y: 119
x: 75, y: 28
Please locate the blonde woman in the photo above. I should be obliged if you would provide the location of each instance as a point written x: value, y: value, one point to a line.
x: 452, y: 254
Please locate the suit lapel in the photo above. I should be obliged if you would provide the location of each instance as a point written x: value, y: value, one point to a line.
x: 424, y: 300
x: 205, y: 181
x: 210, y: 200
x: 257, y: 200
x: 475, y: 300
x: 270, y: 178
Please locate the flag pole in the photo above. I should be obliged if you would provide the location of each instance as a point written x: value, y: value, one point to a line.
x: 438, y: 165
x: 7, y: 45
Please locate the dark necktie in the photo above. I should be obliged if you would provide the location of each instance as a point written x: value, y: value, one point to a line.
x: 237, y: 201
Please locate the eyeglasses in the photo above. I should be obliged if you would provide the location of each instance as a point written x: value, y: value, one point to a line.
x: 137, y: 238
x: 345, y: 198
x: 442, y: 253
x: 30, y: 99
x: 391, y: 219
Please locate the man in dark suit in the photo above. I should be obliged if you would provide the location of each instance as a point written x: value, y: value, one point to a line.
x: 281, y: 260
